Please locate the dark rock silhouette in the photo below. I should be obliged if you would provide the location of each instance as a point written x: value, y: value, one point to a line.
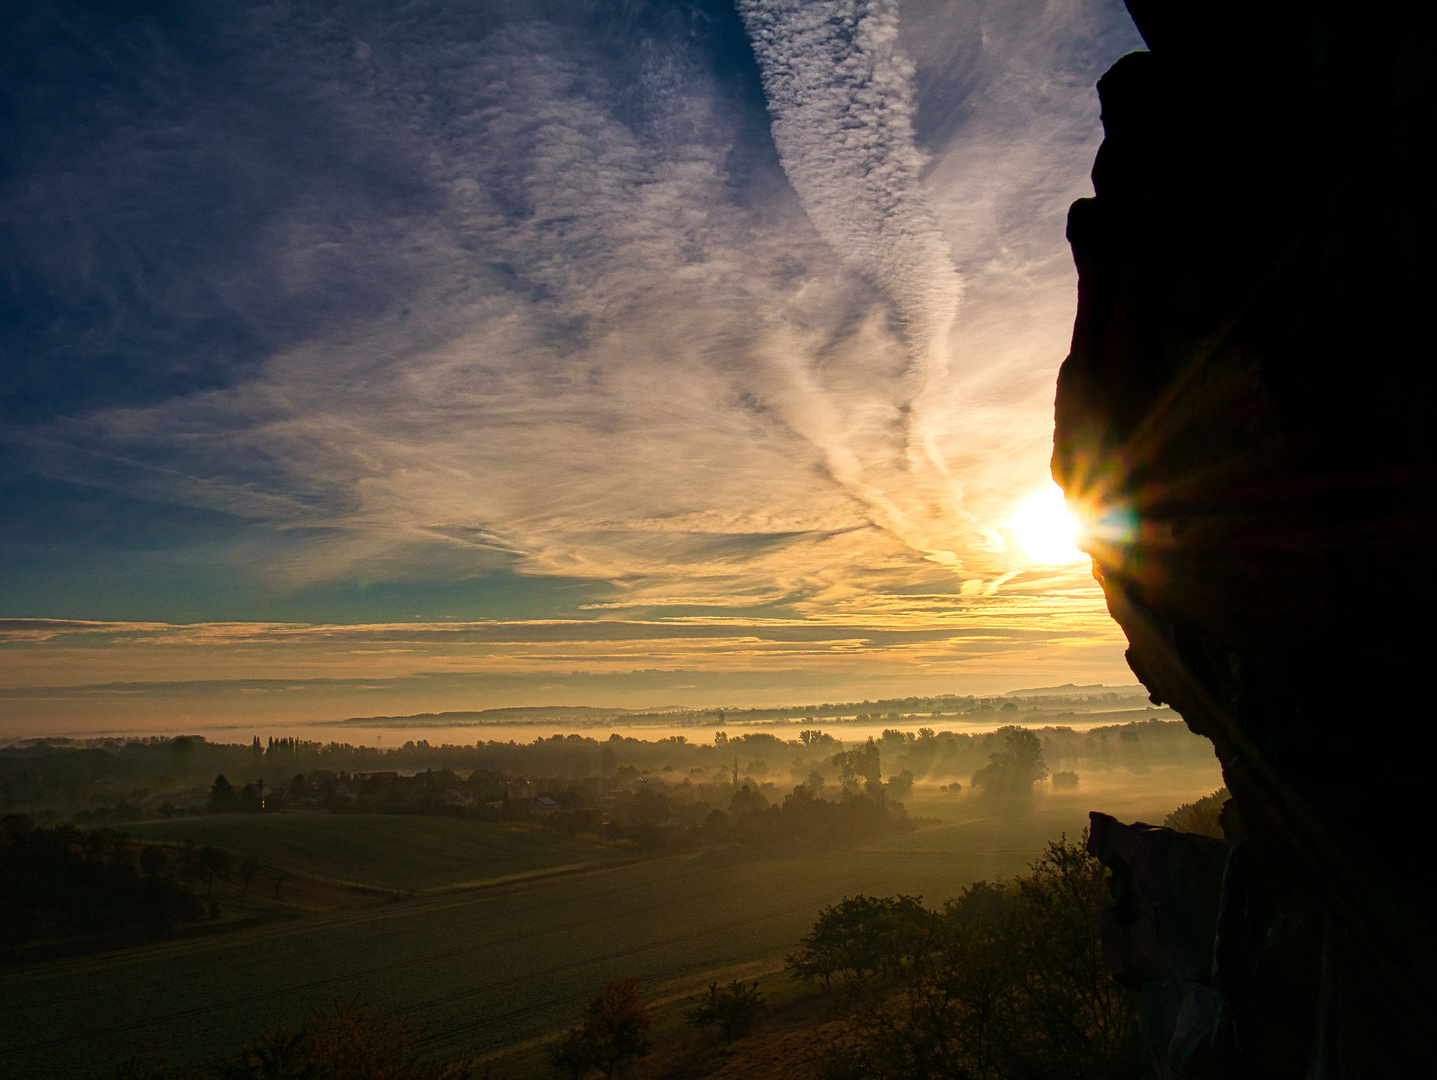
x: 1247, y: 417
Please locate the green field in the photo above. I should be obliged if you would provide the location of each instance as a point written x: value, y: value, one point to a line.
x: 383, y: 851
x: 482, y: 970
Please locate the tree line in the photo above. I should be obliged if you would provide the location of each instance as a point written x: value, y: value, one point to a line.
x: 1005, y: 981
x: 62, y: 881
x: 119, y: 780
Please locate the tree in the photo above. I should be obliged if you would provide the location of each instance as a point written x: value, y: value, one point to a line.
x: 861, y: 763
x: 350, y: 1040
x: 222, y: 795
x: 209, y: 863
x: 746, y: 799
x: 152, y: 861
x: 1017, y: 766
x: 614, y: 1032
x: 901, y: 786
x: 861, y: 936
x: 572, y: 1056
x: 1203, y: 817
x: 731, y: 1008
x: 1012, y: 986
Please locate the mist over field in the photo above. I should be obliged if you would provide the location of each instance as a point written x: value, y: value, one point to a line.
x: 519, y: 518
x: 480, y: 891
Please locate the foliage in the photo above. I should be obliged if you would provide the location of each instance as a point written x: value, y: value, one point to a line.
x: 1007, y: 983
x: 863, y: 936
x: 112, y: 780
x: 860, y: 764
x: 804, y: 817
x: 1017, y: 766
x: 899, y: 786
x: 1202, y: 817
x: 64, y: 880
x: 613, y: 1033
x: 210, y: 863
x: 349, y: 1041
x: 731, y: 1008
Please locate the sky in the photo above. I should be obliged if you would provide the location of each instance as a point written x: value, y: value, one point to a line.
x: 364, y: 358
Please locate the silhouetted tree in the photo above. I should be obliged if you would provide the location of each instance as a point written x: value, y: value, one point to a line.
x: 1007, y: 983
x: 614, y: 1032
x: 152, y: 860
x: 746, y: 799
x: 1202, y: 817
x: 350, y: 1040
x: 209, y: 863
x: 223, y: 796
x: 731, y: 1008
x: 861, y: 763
x: 900, y: 786
x: 861, y: 936
x: 1017, y: 766
x: 572, y: 1056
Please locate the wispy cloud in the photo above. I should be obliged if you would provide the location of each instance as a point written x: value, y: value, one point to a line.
x: 841, y: 94
x: 84, y: 674
x: 599, y: 332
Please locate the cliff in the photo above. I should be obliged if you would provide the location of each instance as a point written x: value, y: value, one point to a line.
x: 1247, y: 417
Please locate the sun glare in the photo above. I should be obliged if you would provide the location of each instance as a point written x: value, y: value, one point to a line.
x: 1045, y: 529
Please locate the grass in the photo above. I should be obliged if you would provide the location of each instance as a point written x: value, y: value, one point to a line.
x: 402, y: 853
x: 493, y: 973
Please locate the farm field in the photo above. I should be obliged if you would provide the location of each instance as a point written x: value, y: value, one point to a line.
x: 402, y: 853
x: 494, y: 972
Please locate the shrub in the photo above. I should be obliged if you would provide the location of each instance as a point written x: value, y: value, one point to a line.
x: 1008, y: 983
x: 731, y: 1008
x: 1201, y: 817
x: 1015, y: 768
x: 349, y: 1041
x: 614, y: 1032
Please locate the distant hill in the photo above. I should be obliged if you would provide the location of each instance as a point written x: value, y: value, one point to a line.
x: 485, y: 716
x: 1073, y: 690
x: 1069, y: 696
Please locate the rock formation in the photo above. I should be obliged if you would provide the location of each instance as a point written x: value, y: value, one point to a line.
x: 1247, y: 421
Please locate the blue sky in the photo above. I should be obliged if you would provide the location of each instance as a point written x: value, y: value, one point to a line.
x: 367, y: 315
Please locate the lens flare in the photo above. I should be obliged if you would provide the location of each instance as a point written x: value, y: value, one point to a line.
x: 1045, y: 529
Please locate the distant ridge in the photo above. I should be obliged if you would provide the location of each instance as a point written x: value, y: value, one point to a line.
x: 1069, y: 695
x: 1073, y: 690
x: 518, y: 712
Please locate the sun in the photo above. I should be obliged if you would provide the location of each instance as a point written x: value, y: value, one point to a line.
x: 1045, y: 529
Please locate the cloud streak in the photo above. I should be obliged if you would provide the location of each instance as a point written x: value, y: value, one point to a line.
x: 841, y: 94
x: 551, y: 296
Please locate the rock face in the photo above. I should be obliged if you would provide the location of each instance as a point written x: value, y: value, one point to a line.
x: 1247, y: 418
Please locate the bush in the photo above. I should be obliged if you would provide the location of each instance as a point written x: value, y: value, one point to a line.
x: 732, y: 1008
x: 63, y: 880
x: 614, y: 1032
x: 1201, y: 817
x: 1015, y: 768
x: 349, y: 1041
x: 863, y: 936
x: 1007, y: 982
